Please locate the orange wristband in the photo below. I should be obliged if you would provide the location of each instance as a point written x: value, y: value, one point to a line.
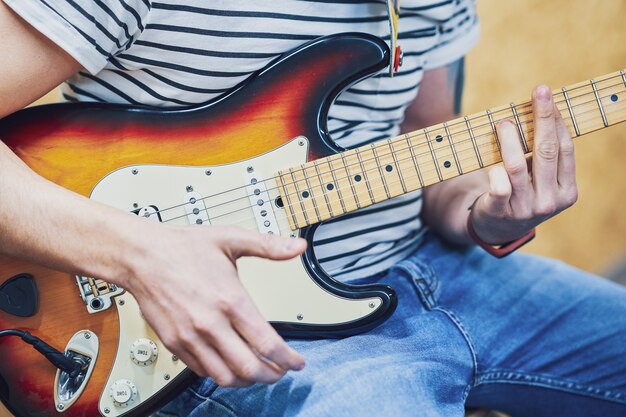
x: 498, y: 251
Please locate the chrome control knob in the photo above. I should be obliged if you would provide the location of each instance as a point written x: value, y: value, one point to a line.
x: 123, y: 393
x: 144, y: 352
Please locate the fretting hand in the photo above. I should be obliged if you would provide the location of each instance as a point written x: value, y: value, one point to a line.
x: 523, y: 195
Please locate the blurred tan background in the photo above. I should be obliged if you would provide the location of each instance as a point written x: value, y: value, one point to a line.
x: 559, y: 42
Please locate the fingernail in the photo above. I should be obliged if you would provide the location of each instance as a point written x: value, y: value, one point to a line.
x: 299, y: 366
x: 543, y: 93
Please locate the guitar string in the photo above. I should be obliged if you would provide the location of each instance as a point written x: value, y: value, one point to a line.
x: 395, y: 182
x: 420, y: 134
x: 416, y: 134
x: 377, y: 158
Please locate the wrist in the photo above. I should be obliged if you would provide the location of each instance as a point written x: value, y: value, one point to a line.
x: 502, y: 249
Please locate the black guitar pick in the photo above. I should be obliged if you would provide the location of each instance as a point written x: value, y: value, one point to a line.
x: 18, y: 296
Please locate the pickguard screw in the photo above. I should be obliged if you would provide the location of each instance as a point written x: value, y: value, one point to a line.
x: 135, y: 171
x: 87, y: 335
x: 301, y: 142
x: 122, y: 302
x: 372, y: 305
x: 208, y: 172
x: 107, y: 410
x: 189, y: 188
x: 174, y: 358
x: 61, y: 407
x: 300, y: 317
x: 292, y: 235
x: 135, y: 205
x: 167, y: 377
x: 250, y: 170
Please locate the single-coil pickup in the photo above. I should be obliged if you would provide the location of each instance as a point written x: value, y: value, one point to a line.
x: 196, y: 209
x: 261, y: 205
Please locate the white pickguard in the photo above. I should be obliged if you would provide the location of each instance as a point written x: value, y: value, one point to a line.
x: 282, y: 290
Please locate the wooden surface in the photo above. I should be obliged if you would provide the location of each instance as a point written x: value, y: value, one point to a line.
x: 525, y: 43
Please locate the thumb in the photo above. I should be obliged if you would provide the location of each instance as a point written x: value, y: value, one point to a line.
x: 239, y: 242
x: 497, y: 199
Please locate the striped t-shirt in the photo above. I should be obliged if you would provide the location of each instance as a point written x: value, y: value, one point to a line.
x: 183, y: 52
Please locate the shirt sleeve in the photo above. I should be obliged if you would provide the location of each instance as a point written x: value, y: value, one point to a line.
x: 459, y: 32
x: 92, y: 32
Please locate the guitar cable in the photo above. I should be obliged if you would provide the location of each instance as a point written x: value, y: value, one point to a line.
x: 57, y: 358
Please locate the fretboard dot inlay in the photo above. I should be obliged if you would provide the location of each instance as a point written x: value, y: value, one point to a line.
x: 439, y: 138
x: 330, y: 187
x: 447, y: 164
x: 388, y: 168
x: 614, y: 98
x: 305, y: 194
x: 357, y: 178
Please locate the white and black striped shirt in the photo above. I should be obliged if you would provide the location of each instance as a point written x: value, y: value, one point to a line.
x: 183, y: 52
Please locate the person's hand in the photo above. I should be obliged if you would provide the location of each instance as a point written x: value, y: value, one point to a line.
x: 522, y: 195
x: 188, y: 289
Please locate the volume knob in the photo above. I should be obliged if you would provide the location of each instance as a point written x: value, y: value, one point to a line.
x: 144, y: 352
x: 123, y: 393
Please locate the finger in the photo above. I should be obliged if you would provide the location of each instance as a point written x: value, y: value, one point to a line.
x: 240, y: 242
x: 205, y: 361
x: 497, y: 200
x: 514, y: 161
x: 247, y: 320
x: 546, y: 146
x: 243, y: 361
x: 566, y: 175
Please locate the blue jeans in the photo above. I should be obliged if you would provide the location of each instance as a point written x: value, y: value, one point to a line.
x: 524, y: 335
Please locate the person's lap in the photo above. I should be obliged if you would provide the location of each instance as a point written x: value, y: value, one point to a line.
x: 529, y: 336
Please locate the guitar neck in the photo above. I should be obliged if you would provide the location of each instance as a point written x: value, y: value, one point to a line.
x: 369, y: 174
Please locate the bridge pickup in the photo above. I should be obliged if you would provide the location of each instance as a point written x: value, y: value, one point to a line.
x: 196, y: 208
x: 261, y: 205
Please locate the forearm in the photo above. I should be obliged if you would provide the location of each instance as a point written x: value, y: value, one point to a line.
x: 49, y: 225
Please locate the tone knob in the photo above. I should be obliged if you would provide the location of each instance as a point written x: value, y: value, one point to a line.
x: 123, y: 393
x: 144, y: 352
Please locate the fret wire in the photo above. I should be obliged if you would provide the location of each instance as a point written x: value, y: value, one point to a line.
x: 471, y: 132
x: 319, y: 176
x: 493, y: 128
x: 621, y: 72
x: 456, y: 159
x: 356, y: 197
x: 395, y: 161
x: 365, y: 177
x: 337, y: 187
x: 571, y: 111
x: 293, y: 215
x: 595, y: 92
x: 417, y: 168
x: 519, y: 128
x: 432, y: 152
x: 295, y: 183
x: 310, y: 189
x: 382, y: 175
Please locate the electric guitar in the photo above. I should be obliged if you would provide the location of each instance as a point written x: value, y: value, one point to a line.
x: 259, y: 157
